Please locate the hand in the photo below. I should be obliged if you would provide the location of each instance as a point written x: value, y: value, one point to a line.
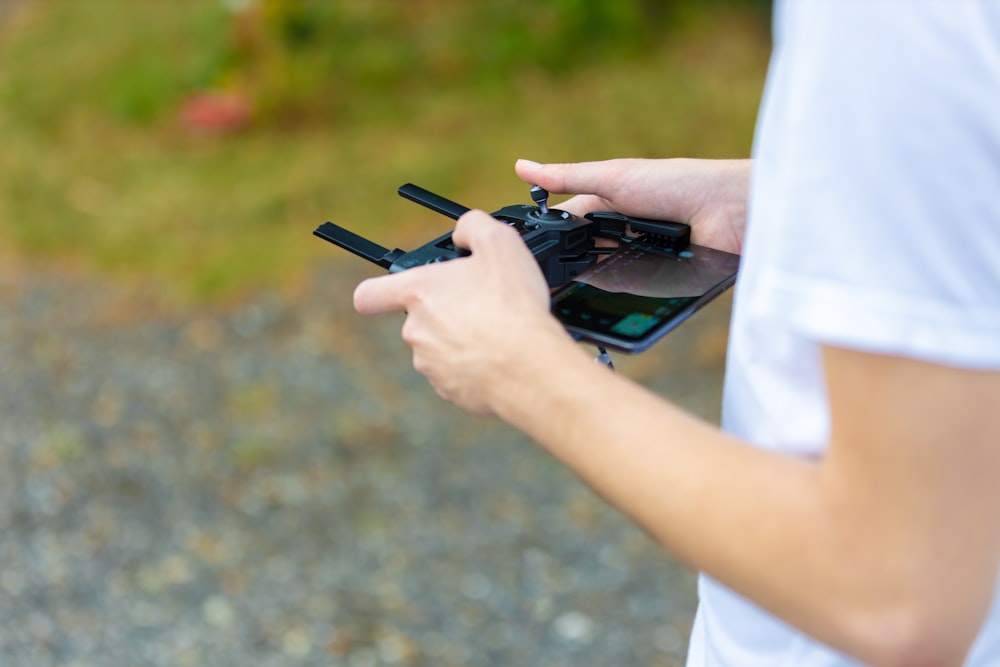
x: 709, y: 195
x: 472, y: 322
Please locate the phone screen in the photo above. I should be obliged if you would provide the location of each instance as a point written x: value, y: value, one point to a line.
x: 641, y: 292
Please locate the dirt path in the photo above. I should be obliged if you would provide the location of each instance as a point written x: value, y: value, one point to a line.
x: 274, y: 485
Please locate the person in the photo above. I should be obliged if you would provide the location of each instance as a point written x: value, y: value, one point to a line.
x: 846, y: 513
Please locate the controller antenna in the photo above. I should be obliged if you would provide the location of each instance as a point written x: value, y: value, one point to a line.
x: 541, y: 197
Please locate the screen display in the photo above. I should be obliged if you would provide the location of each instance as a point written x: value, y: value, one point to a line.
x: 641, y: 292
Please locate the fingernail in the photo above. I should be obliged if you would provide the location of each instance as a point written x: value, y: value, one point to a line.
x: 529, y: 163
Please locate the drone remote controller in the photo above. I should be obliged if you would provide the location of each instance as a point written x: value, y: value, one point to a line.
x: 563, y: 244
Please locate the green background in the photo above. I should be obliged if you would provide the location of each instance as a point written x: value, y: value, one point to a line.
x: 347, y: 100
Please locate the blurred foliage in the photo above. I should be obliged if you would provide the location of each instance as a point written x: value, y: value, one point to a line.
x: 349, y: 99
x: 306, y: 57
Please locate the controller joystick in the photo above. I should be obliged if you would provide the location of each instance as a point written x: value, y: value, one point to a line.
x: 541, y: 197
x: 543, y: 213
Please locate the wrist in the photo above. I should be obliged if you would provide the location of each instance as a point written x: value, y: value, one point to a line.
x: 533, y: 385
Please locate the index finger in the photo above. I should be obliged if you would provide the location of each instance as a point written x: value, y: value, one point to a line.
x: 384, y: 294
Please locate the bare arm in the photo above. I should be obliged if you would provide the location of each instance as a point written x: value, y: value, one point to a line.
x: 886, y: 548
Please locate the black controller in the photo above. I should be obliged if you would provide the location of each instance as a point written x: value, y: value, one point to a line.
x: 563, y: 244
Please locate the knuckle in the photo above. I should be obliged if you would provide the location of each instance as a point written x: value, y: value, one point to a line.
x: 411, y: 293
x: 411, y: 332
x: 420, y: 365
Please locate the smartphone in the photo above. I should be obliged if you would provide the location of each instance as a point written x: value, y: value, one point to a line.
x: 641, y: 292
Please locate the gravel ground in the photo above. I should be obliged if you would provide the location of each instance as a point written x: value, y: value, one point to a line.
x: 271, y: 484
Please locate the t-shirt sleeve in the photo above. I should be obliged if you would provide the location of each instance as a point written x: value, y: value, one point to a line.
x: 875, y: 203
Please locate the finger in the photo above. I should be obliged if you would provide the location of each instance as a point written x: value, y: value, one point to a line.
x: 568, y: 178
x: 477, y: 229
x: 582, y: 204
x: 385, y: 294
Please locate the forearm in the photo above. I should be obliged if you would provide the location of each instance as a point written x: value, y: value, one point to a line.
x: 877, y: 549
x: 657, y: 464
x: 765, y: 524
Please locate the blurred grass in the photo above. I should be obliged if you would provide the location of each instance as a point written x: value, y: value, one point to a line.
x: 95, y: 168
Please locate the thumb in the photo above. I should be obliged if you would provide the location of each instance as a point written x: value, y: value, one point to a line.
x: 567, y: 178
x: 478, y: 229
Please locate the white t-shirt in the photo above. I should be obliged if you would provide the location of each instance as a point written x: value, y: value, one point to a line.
x: 874, y: 225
